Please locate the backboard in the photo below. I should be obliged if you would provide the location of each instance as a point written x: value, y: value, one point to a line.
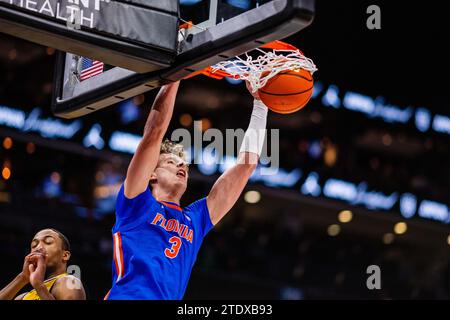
x: 135, y: 34
x: 221, y: 30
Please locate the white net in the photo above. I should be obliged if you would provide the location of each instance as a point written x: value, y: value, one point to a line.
x: 257, y: 71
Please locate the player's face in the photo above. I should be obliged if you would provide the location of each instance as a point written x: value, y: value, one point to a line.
x: 172, y: 172
x: 50, y: 244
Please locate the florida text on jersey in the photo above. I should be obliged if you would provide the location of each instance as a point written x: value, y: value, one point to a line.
x: 155, y: 246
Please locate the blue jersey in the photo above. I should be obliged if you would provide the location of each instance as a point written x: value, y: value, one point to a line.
x: 155, y: 246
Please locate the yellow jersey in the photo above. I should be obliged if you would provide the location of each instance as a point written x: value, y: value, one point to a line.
x: 32, y: 295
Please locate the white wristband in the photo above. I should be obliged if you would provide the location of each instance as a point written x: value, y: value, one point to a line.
x: 254, y: 136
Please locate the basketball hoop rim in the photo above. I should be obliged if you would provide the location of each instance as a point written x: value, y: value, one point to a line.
x: 218, y: 74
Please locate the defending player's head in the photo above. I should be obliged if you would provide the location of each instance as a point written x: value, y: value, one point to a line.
x: 56, y: 248
x: 44, y: 268
x: 172, y: 170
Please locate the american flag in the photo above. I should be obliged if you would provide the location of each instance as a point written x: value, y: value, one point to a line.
x: 90, y: 68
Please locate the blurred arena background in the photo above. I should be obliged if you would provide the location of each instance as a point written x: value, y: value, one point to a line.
x: 364, y: 177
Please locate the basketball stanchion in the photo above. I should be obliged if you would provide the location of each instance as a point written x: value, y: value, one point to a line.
x: 279, y: 71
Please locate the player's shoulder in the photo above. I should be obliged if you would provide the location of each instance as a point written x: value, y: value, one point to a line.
x: 196, y: 205
x: 68, y: 287
x: 68, y: 281
x: 144, y: 197
x: 199, y: 214
x: 147, y: 192
x: 196, y: 209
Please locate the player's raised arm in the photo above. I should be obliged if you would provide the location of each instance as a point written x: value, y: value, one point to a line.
x: 146, y: 156
x: 227, y: 189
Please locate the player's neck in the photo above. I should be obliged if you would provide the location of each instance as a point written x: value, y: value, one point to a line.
x: 55, y: 272
x: 162, y: 195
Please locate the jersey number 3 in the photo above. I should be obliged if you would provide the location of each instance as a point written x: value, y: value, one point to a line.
x: 173, y: 251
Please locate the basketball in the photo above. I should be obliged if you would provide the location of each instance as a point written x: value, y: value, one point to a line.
x: 288, y: 91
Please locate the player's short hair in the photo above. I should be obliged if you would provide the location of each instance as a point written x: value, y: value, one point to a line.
x: 170, y: 147
x: 64, y: 240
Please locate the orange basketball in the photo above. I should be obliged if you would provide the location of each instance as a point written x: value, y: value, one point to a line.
x: 288, y: 91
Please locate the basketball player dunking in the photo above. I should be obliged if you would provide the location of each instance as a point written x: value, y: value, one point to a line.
x: 155, y: 240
